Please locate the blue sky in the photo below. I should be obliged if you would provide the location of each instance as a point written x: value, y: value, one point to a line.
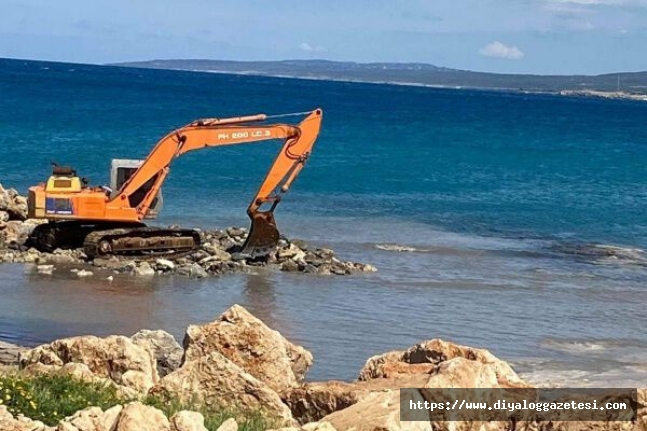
x: 517, y: 36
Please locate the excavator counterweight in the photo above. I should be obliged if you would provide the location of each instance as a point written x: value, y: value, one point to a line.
x: 108, y: 220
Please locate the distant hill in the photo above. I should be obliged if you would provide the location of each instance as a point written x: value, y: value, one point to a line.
x: 410, y: 73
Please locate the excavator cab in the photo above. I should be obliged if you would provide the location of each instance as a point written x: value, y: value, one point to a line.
x: 63, y: 180
x: 120, y: 171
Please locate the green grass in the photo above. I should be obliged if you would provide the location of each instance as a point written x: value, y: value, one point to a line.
x: 50, y: 398
x: 213, y: 416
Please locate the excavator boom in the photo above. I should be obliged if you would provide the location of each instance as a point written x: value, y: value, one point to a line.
x: 133, y: 201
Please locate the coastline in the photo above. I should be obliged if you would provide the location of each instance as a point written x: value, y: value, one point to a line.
x: 599, y: 94
x: 215, y: 364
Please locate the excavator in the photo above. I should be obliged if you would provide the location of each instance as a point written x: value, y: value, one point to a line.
x: 108, y: 220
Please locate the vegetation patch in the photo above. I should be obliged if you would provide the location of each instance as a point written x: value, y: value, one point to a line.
x: 50, y: 398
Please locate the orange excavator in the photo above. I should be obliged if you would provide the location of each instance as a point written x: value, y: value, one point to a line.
x: 109, y: 220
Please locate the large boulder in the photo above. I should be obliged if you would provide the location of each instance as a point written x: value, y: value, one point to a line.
x: 188, y: 421
x: 216, y: 381
x: 139, y: 417
x: 116, y: 358
x: 91, y: 419
x: 12, y: 203
x: 425, y: 356
x: 167, y: 352
x: 9, y: 353
x: 379, y: 411
x: 313, y: 401
x: 9, y: 423
x: 253, y: 346
x: 431, y: 364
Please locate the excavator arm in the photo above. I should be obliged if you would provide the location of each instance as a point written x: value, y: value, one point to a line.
x: 212, y: 132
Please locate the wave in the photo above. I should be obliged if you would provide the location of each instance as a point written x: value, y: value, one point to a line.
x: 604, y: 254
x: 400, y: 248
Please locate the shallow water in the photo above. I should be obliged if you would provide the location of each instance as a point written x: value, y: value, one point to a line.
x: 556, y: 317
x: 508, y: 204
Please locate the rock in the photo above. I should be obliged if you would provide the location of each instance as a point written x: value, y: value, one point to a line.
x: 250, y: 344
x: 318, y: 426
x: 192, y: 270
x: 290, y: 266
x: 112, y: 262
x: 13, y: 204
x: 7, y: 257
x: 167, y: 352
x: 217, y: 251
x: 365, y: 267
x: 45, y: 269
x: 236, y: 231
x: 116, y: 358
x: 91, y: 419
x: 144, y: 269
x: 139, y: 417
x: 10, y: 353
x: 61, y: 259
x: 229, y: 425
x: 83, y: 273
x: 227, y: 244
x: 189, y: 421
x: 16, y: 232
x: 379, y: 411
x: 291, y: 252
x: 9, y: 423
x: 424, y: 356
x: 4, y: 216
x: 111, y: 417
x: 164, y: 265
x: 215, y: 380
x: 311, y: 402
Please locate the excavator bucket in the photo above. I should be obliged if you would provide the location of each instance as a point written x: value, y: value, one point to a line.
x: 263, y: 235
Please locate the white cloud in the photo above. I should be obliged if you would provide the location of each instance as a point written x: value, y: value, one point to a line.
x: 497, y: 49
x: 306, y: 47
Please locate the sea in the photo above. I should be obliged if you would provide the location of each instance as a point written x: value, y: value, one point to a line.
x: 504, y: 220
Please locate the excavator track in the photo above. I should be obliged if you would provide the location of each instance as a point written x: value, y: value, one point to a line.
x: 141, y: 241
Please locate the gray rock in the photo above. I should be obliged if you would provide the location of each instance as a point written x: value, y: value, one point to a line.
x: 164, y: 265
x: 290, y: 266
x: 144, y: 269
x: 192, y: 270
x: 227, y: 243
x: 113, y: 262
x: 45, y: 269
x: 9, y: 353
x: 61, y: 259
x: 167, y: 351
x: 236, y: 231
x: 84, y: 273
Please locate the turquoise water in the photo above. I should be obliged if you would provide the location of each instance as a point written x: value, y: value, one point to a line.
x: 502, y: 198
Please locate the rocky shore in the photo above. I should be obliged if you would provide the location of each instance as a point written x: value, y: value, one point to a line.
x: 238, y: 361
x: 215, y: 256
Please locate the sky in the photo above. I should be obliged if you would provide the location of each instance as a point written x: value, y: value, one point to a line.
x: 509, y: 36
